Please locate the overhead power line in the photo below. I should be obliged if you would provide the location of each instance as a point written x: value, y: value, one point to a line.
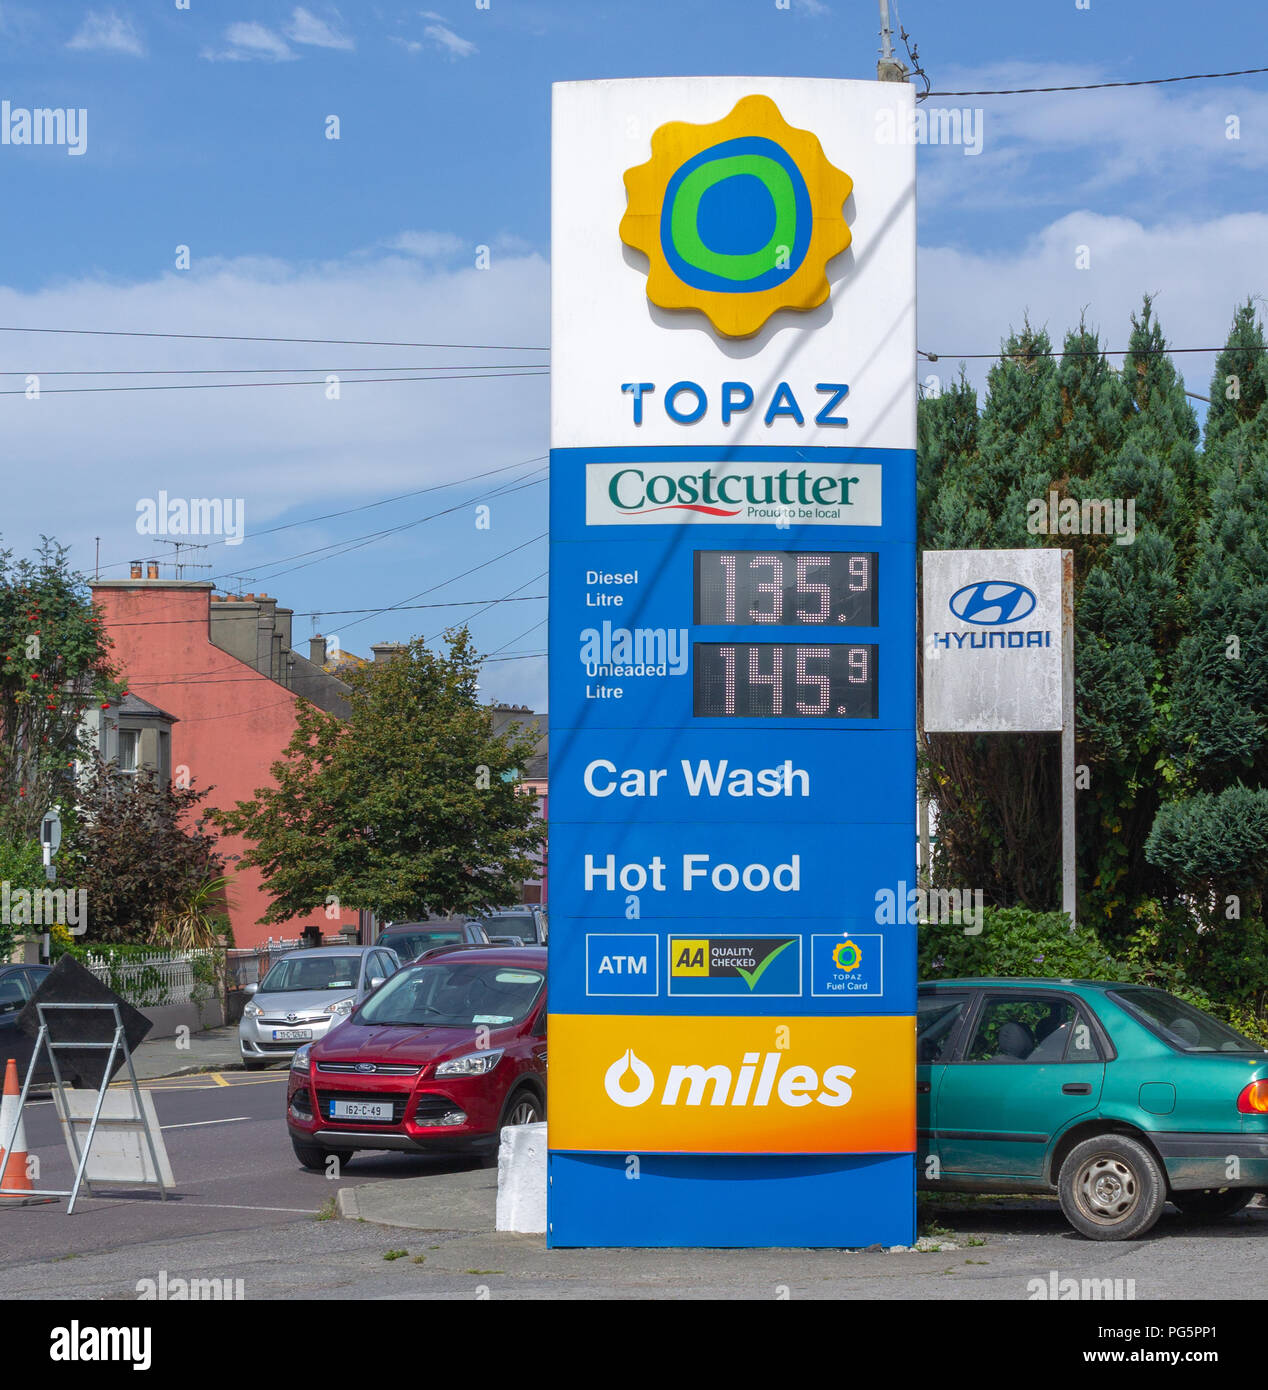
x: 264, y: 371
x: 257, y: 338
x: 1100, y: 86
x: 245, y: 385
x: 348, y: 511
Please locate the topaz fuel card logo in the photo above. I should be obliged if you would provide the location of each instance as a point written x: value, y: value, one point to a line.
x: 735, y: 965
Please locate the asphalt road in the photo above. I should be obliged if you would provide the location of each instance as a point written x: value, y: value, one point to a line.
x: 244, y: 1209
x: 230, y: 1155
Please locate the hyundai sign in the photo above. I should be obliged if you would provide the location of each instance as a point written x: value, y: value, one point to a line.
x: 732, y: 663
x: 992, y: 641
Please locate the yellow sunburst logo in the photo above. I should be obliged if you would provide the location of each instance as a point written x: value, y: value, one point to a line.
x: 739, y: 218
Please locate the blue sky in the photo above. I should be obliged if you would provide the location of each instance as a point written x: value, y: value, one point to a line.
x: 207, y: 129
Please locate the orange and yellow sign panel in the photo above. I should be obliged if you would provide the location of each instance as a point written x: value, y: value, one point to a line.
x: 732, y: 1085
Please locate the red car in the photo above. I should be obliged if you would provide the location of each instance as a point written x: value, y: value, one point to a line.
x: 439, y: 1058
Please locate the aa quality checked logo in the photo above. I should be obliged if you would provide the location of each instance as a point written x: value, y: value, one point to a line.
x: 738, y: 218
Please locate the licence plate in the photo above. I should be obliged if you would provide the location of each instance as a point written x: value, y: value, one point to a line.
x: 361, y: 1110
x: 292, y: 1034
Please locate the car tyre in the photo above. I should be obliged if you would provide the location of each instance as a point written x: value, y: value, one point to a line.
x: 523, y: 1107
x: 1111, y: 1188
x: 249, y: 1065
x: 313, y: 1156
x: 1213, y: 1203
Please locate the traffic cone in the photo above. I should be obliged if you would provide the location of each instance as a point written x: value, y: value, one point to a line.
x: 14, y: 1178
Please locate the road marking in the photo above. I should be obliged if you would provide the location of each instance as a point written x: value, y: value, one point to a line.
x: 193, y: 1124
x: 218, y: 1079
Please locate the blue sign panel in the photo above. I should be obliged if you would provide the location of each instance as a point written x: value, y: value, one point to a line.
x: 732, y: 679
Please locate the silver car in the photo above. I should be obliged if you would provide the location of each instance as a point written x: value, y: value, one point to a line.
x: 305, y: 995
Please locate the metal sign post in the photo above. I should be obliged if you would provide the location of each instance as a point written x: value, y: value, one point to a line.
x: 117, y: 1047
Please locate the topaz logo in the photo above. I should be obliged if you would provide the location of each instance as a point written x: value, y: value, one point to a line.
x: 738, y: 219
x: 992, y: 602
x: 614, y: 1080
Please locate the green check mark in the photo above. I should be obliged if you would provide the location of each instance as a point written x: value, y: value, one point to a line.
x: 751, y: 977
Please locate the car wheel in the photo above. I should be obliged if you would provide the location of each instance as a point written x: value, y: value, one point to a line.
x: 248, y: 1065
x: 1212, y: 1203
x: 523, y: 1108
x: 313, y: 1156
x: 1111, y: 1188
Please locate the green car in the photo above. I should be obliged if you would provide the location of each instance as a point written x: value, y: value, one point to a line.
x: 1119, y: 1097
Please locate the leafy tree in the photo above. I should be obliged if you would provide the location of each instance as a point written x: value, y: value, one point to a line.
x: 54, y: 663
x: 409, y: 806
x: 138, y: 850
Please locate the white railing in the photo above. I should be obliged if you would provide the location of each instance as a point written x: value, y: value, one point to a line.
x: 158, y: 977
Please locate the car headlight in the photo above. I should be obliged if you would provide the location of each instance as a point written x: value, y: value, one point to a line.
x: 472, y: 1064
x: 342, y: 1007
x: 252, y: 1010
x: 299, y: 1062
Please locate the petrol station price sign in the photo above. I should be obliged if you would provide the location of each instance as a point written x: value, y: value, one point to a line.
x: 732, y: 663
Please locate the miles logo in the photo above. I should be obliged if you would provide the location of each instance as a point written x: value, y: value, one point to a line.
x: 630, y: 1082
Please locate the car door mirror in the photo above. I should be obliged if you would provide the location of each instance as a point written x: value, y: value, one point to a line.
x: 376, y: 981
x: 252, y: 988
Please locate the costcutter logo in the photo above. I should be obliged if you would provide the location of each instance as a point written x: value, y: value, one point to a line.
x: 992, y: 602
x: 738, y: 218
x: 733, y: 492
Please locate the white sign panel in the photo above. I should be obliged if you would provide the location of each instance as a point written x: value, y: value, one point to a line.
x: 992, y: 641
x: 626, y: 372
x: 120, y: 1153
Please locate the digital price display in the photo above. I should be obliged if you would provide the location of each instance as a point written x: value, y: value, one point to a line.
x: 785, y: 680
x: 828, y: 588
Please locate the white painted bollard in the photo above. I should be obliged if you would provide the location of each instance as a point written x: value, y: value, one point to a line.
x: 522, y: 1179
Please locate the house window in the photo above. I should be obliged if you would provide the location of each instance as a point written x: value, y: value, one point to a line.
x: 129, y: 748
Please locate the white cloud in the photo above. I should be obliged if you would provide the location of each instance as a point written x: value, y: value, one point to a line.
x: 107, y: 31
x: 450, y: 43
x: 285, y: 447
x: 250, y: 40
x: 1199, y: 270
x: 426, y: 245
x: 1141, y: 147
x: 306, y: 27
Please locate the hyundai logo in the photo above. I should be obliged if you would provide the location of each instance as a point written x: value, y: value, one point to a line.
x: 991, y: 602
x: 365, y: 1066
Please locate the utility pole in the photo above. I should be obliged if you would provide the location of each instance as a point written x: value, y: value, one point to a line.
x: 889, y: 69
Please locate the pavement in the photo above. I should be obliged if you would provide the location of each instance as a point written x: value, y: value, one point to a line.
x: 216, y: 1049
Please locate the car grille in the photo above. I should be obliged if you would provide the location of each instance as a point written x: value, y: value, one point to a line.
x: 398, y: 1102
x: 278, y: 1047
x: 379, y: 1069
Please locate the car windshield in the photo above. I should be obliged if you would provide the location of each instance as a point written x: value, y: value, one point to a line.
x: 408, y: 944
x: 296, y: 973
x: 1178, y: 1024
x: 511, y: 925
x: 453, y: 993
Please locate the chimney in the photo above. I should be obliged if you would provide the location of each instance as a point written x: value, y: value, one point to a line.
x: 317, y: 650
x: 151, y: 570
x: 386, y: 651
x: 136, y: 569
